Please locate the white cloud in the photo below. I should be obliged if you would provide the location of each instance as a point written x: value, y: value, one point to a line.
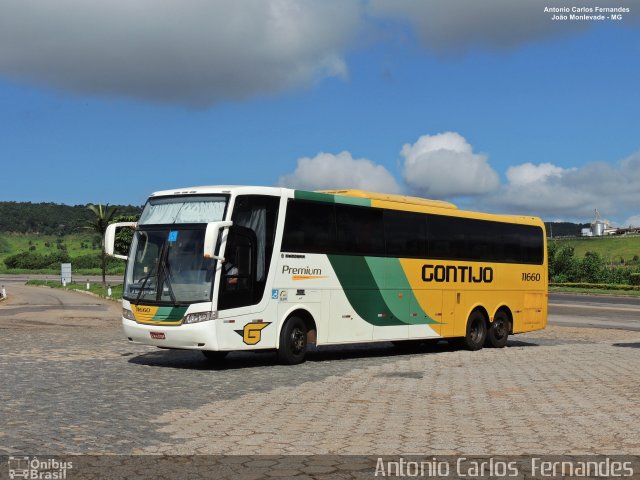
x: 188, y: 51
x: 455, y: 25
x: 328, y: 171
x: 200, y: 52
x: 548, y: 190
x: 528, y: 173
x: 633, y: 221
x: 444, y: 165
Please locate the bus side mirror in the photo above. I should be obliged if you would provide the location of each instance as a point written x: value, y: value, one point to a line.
x: 211, y: 238
x: 110, y: 238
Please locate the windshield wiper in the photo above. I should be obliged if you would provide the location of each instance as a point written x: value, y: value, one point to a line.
x: 161, y: 271
x: 149, y: 275
x: 166, y: 279
x: 144, y: 283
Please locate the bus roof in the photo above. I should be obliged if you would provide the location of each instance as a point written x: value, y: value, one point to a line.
x: 354, y: 197
x: 213, y: 189
x: 391, y: 198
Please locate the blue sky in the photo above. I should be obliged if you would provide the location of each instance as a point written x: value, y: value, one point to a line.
x: 511, y: 112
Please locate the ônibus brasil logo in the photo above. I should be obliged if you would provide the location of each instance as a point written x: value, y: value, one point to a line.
x: 35, y: 468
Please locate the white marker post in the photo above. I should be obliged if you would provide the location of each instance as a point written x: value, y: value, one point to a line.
x: 88, y: 285
x: 4, y: 292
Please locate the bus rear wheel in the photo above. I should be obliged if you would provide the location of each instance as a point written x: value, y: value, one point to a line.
x: 476, y: 332
x: 498, y: 333
x: 293, y: 342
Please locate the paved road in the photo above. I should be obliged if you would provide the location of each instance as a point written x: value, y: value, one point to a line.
x: 40, y: 306
x: 594, y: 311
x: 72, y: 384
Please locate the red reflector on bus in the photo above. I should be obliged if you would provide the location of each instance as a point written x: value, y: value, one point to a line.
x: 157, y: 335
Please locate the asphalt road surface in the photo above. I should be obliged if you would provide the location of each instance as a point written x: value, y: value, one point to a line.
x: 594, y: 311
x: 27, y: 305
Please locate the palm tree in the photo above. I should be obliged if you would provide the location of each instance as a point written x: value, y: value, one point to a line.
x: 103, y: 216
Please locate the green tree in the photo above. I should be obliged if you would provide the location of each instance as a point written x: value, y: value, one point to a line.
x: 124, y: 236
x: 102, y: 217
x: 4, y: 245
x: 565, y: 265
x: 591, y: 268
x: 552, y: 249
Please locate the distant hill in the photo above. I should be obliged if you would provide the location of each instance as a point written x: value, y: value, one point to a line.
x: 49, y: 218
x: 59, y: 219
x: 565, y: 229
x: 614, y: 249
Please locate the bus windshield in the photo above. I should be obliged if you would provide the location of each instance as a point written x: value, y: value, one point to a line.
x: 166, y: 261
x: 183, y: 209
x: 167, y: 266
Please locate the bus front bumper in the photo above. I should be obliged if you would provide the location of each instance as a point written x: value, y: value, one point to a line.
x: 196, y: 336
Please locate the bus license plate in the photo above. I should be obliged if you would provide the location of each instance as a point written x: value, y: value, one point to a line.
x: 157, y: 335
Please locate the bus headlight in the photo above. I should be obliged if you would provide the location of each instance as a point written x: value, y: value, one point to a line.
x: 199, y: 317
x: 128, y: 314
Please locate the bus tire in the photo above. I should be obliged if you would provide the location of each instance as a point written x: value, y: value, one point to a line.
x: 293, y: 342
x: 476, y: 332
x: 498, y: 332
x: 214, y: 356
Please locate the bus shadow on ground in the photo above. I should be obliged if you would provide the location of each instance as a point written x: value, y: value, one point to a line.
x: 194, y: 360
x: 521, y: 343
x: 627, y: 345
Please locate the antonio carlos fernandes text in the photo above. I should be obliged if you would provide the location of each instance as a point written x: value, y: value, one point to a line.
x: 539, y: 468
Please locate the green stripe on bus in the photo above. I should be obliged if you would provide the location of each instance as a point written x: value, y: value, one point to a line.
x: 315, y: 196
x: 330, y: 198
x: 363, y: 202
x: 396, y: 290
x: 362, y: 291
x: 169, y: 314
x: 378, y: 290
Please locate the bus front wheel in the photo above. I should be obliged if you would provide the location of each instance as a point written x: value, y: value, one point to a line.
x: 476, y: 332
x: 498, y: 333
x: 293, y: 342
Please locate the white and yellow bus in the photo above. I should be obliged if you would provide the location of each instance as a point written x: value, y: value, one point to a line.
x: 221, y: 269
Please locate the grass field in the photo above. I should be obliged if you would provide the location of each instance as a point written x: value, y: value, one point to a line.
x: 77, y: 244
x: 595, y: 291
x: 612, y: 248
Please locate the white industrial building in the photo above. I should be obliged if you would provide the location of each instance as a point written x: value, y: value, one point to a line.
x: 599, y: 227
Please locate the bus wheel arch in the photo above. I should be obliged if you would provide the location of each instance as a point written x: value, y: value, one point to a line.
x: 476, y: 330
x: 500, y: 328
x: 507, y: 311
x: 297, y: 331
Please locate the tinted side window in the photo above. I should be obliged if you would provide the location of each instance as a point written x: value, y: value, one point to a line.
x: 405, y: 234
x: 447, y: 239
x: 309, y: 227
x: 532, y: 245
x: 457, y: 238
x: 315, y: 227
x: 360, y: 230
